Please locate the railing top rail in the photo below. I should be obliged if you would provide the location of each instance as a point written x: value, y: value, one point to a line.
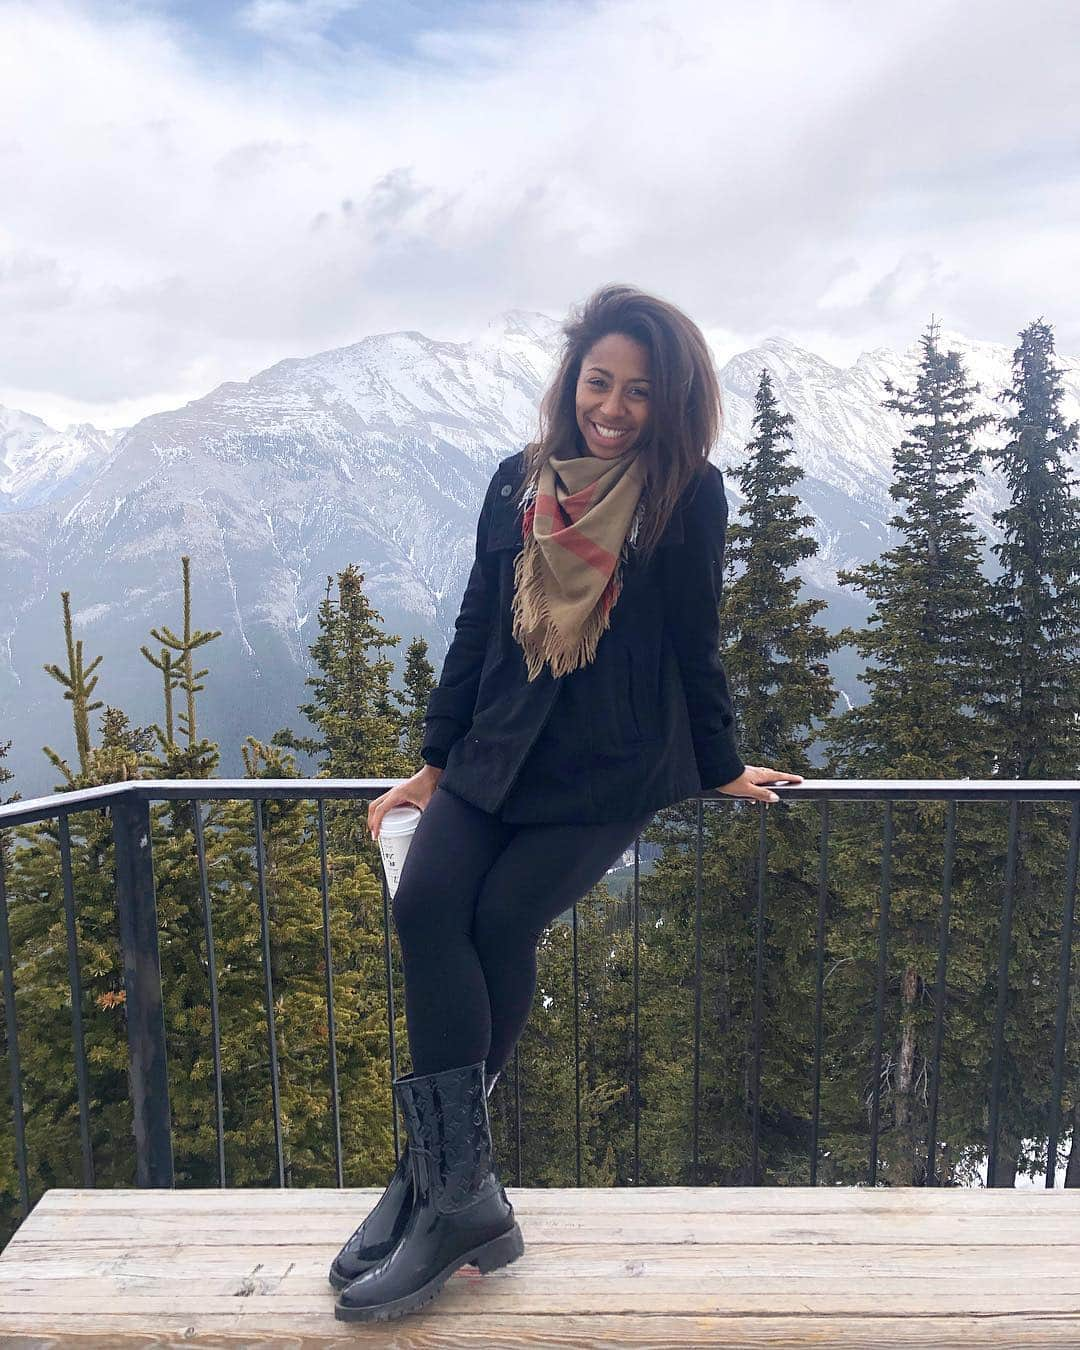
x: 313, y: 789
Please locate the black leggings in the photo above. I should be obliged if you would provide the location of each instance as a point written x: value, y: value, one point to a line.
x: 474, y: 896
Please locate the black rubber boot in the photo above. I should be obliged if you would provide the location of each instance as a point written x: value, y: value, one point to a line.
x: 460, y: 1214
x: 381, y: 1231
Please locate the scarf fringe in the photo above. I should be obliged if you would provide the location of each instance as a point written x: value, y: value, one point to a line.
x: 538, y: 645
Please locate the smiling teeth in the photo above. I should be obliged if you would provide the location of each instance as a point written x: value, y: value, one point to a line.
x: 609, y: 435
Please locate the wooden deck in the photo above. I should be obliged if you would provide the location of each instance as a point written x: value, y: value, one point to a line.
x: 650, y: 1267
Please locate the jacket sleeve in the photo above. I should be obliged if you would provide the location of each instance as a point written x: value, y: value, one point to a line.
x: 693, y: 583
x: 450, y: 706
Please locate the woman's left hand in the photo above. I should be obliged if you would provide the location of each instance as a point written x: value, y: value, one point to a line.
x: 751, y: 783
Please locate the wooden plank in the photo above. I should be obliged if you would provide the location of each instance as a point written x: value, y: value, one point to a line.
x: 621, y: 1199
x: 933, y: 1263
x: 429, y: 1331
x: 162, y: 1229
x: 280, y: 1302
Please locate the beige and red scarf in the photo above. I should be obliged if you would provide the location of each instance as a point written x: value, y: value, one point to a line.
x: 578, y: 516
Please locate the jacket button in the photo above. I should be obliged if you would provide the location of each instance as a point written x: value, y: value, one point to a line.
x: 506, y: 490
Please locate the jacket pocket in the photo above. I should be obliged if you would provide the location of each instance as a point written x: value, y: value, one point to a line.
x: 641, y: 698
x: 631, y: 697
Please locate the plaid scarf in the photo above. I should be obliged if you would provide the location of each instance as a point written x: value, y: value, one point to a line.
x: 580, y: 514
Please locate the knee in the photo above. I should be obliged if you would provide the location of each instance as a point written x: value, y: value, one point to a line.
x: 503, y: 934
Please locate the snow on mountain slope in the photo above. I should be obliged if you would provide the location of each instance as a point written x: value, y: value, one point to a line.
x: 38, y: 464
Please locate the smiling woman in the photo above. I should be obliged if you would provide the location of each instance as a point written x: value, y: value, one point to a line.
x: 570, y: 708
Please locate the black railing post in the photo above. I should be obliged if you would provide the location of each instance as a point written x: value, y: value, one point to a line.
x: 7, y: 968
x: 884, y: 904
x: 136, y: 908
x: 819, y: 986
x: 1004, y: 950
x: 941, y: 994
x: 1064, y: 969
x: 759, y: 992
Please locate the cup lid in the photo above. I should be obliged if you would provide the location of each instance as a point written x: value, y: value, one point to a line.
x: 399, y: 820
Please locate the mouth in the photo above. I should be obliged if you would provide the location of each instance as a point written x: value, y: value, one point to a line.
x: 609, y: 435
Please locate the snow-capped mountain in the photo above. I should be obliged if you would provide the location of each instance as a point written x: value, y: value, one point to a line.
x: 38, y: 464
x: 377, y: 454
x: 844, y: 439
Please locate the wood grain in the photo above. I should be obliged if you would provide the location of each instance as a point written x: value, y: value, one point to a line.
x: 726, y: 1266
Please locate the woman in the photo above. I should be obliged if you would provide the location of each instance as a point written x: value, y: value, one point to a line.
x: 582, y: 692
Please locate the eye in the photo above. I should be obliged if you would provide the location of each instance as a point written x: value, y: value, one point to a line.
x: 595, y: 381
x: 643, y: 392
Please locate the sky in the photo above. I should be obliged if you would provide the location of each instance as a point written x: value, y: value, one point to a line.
x: 192, y: 191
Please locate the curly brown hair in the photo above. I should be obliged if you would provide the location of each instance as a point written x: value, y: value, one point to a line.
x: 685, y: 414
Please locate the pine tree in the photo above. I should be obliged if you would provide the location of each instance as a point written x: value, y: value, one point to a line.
x: 116, y: 760
x: 199, y: 759
x: 360, y: 734
x: 419, y: 680
x: 352, y: 707
x: 1034, y: 704
x: 930, y: 640
x: 775, y: 661
x: 1037, y: 596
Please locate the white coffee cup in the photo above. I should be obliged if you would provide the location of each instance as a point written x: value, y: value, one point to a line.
x: 395, y: 835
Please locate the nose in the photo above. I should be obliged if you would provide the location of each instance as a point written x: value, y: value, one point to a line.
x: 612, y: 405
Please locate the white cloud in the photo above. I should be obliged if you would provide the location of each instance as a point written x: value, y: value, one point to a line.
x: 815, y: 168
x: 297, y: 23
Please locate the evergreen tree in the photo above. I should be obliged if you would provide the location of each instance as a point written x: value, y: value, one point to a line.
x: 1033, y: 696
x: 352, y: 706
x: 776, y: 666
x: 116, y: 760
x: 419, y: 680
x: 930, y: 639
x: 360, y: 734
x: 1036, y: 711
x: 198, y: 758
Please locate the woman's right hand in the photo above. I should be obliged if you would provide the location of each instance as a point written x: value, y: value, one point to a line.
x: 414, y: 791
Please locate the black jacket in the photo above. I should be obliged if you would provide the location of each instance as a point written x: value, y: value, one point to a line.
x: 647, y: 723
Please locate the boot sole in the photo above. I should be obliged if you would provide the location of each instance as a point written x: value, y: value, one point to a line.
x: 500, y: 1251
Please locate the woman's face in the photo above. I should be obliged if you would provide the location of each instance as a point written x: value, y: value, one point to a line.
x: 613, y: 393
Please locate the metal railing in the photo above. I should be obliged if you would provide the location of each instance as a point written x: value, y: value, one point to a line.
x: 129, y: 807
